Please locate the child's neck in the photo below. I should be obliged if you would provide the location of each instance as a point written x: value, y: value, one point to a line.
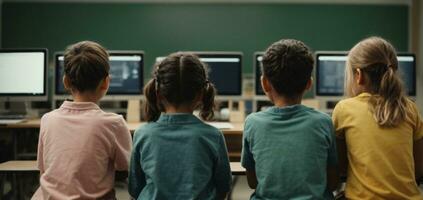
x: 85, y: 97
x: 179, y: 109
x: 283, y: 101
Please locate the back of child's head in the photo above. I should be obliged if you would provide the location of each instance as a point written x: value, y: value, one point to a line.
x: 377, y: 61
x: 178, y: 80
x: 288, y: 65
x: 86, y: 65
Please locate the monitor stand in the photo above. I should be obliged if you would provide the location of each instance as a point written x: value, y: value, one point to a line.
x: 133, y: 112
x: 18, y: 110
x: 236, y: 110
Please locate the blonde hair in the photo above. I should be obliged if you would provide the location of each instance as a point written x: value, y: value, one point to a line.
x: 377, y: 60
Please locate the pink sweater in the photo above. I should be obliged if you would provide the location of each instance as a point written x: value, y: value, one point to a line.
x: 79, y: 149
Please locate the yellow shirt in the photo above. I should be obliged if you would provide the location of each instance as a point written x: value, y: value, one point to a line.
x: 381, y: 163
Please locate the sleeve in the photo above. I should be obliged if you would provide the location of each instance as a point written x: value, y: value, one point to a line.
x: 123, y: 146
x: 332, y: 152
x: 136, y: 179
x: 222, y: 171
x: 40, y: 150
x: 337, y: 117
x: 247, y: 159
x: 418, y: 131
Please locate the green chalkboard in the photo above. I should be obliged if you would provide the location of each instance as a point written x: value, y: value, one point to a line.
x: 159, y: 28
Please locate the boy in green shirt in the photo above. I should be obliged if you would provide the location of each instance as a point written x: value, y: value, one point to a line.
x: 289, y: 150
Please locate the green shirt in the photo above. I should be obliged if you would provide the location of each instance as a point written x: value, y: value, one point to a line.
x: 178, y: 157
x: 290, y: 149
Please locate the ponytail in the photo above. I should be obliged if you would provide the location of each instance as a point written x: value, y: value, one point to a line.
x: 390, y: 105
x: 377, y: 58
x: 208, y: 104
x: 151, y: 107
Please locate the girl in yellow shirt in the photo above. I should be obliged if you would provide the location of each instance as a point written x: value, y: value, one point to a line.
x: 379, y: 130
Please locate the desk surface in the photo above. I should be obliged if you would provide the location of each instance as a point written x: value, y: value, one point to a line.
x: 19, y: 165
x: 31, y: 165
x: 29, y: 123
x: 35, y: 123
x: 237, y: 169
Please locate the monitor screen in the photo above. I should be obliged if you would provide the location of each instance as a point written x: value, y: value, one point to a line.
x: 407, y: 71
x: 126, y: 74
x: 23, y: 72
x: 257, y: 64
x: 330, y: 73
x: 225, y: 72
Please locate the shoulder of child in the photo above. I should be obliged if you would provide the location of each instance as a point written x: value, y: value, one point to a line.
x: 114, y: 118
x: 144, y: 128
x: 413, y: 109
x: 341, y: 105
x: 251, y: 118
x: 117, y: 122
x: 49, y: 115
x: 320, y: 116
x: 211, y: 129
x: 412, y: 104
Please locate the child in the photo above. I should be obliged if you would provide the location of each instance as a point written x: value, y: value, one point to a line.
x: 289, y: 149
x: 377, y: 125
x: 80, y: 146
x: 176, y: 155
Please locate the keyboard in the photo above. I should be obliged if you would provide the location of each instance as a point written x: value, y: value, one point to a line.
x: 221, y: 125
x: 10, y: 121
x: 11, y: 118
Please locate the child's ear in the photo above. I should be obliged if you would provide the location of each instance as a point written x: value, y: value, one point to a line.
x: 104, y: 85
x: 66, y: 82
x: 309, y: 84
x: 265, y: 84
x: 359, y: 77
x: 198, y: 100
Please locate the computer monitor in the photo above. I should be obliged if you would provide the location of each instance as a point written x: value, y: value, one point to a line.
x: 23, y: 74
x: 407, y: 70
x: 126, y: 73
x: 258, y: 56
x: 330, y: 73
x: 225, y: 71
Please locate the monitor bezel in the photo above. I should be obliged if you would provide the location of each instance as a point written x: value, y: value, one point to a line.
x: 257, y: 83
x: 113, y: 96
x: 317, y: 65
x: 237, y: 95
x: 413, y: 93
x: 28, y: 96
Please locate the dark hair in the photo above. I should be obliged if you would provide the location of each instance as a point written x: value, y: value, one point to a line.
x: 86, y: 65
x: 288, y: 64
x: 179, y: 78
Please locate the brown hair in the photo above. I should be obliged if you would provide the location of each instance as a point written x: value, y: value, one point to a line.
x: 288, y: 64
x: 86, y: 65
x: 377, y: 60
x: 179, y: 78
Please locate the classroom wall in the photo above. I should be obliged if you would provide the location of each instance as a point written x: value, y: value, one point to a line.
x: 420, y: 57
x: 161, y: 28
